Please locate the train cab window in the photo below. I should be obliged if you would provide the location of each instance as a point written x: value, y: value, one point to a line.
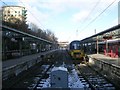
x: 76, y: 46
x: 77, y: 53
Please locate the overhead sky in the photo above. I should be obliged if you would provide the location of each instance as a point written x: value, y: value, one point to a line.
x: 70, y: 19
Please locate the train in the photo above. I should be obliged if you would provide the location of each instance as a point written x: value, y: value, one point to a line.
x: 76, y: 52
x: 110, y: 48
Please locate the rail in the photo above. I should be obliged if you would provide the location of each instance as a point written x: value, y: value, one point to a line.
x: 25, y: 65
x: 110, y: 71
x: 94, y: 78
x: 112, y: 68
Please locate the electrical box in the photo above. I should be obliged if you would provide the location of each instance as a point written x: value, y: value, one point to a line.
x: 59, y: 77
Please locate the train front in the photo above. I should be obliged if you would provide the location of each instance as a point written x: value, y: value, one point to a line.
x: 76, y: 51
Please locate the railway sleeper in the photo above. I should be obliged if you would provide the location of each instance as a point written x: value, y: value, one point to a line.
x: 95, y: 80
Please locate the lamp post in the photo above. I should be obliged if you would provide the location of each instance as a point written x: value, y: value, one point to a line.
x: 97, y: 46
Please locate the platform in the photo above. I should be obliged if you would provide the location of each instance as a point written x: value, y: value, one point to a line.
x: 110, y: 60
x: 13, y: 62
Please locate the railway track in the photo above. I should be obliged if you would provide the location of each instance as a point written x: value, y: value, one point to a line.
x: 24, y: 79
x: 88, y: 77
x: 39, y: 78
x: 42, y: 80
x: 84, y: 74
x: 93, y: 79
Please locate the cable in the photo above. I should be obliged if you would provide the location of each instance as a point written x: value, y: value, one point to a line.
x: 89, y: 14
x: 98, y: 15
x: 7, y: 5
x: 14, y: 9
x: 92, y: 10
x: 27, y: 8
x: 3, y: 2
x: 32, y: 14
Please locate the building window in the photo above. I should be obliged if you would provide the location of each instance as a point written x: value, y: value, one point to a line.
x: 8, y: 11
x: 15, y: 11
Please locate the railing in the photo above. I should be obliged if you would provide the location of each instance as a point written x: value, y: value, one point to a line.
x: 15, y: 53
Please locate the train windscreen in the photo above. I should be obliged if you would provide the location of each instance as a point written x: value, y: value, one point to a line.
x: 75, y: 45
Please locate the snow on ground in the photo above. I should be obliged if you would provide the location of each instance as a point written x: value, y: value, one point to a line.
x: 73, y: 81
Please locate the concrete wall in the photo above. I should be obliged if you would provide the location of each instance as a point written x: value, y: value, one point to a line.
x: 16, y: 69
x: 110, y: 71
